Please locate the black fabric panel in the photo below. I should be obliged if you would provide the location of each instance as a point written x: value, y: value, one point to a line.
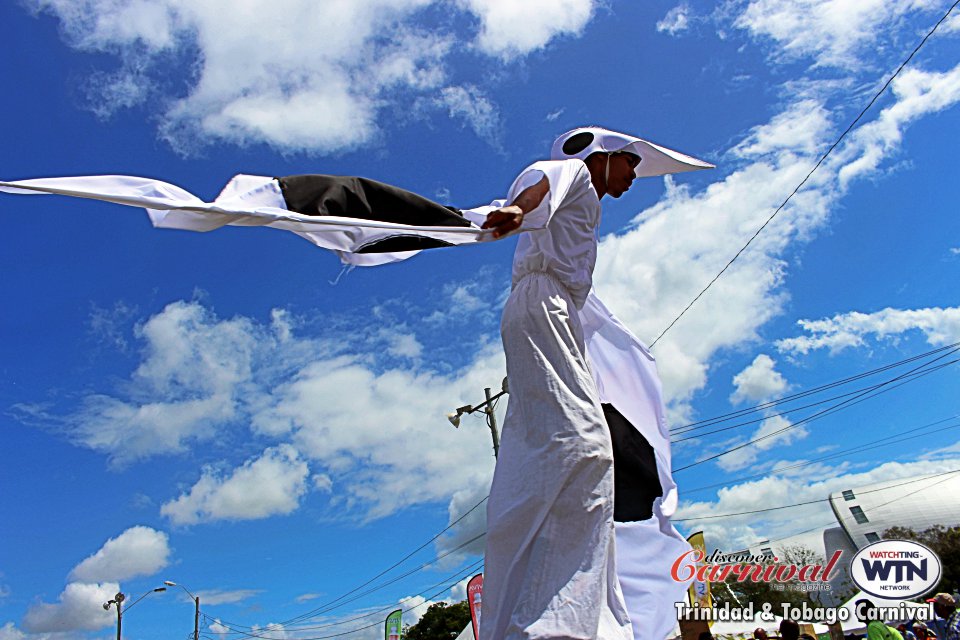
x: 403, y: 243
x: 635, y: 479
x: 352, y: 197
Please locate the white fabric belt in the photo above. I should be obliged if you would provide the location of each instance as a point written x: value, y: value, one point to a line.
x: 545, y: 274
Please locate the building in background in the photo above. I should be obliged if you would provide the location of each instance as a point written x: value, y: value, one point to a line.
x: 864, y: 513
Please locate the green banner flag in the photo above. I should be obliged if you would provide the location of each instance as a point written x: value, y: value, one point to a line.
x: 392, y: 629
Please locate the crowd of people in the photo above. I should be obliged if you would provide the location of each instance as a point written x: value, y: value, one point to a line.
x: 945, y: 625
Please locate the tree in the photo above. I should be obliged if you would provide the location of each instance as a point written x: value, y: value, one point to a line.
x: 441, y: 621
x: 943, y: 541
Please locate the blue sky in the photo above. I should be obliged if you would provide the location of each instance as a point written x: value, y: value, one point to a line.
x: 220, y: 411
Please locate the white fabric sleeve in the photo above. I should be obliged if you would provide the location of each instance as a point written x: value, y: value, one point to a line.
x: 567, y: 179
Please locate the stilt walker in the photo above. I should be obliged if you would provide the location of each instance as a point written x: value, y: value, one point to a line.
x: 577, y: 375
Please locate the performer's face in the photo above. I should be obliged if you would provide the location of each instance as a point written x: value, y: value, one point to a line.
x: 622, y: 166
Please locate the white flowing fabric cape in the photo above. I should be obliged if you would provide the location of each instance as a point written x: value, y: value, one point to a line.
x: 626, y: 375
x: 623, y: 367
x: 240, y: 204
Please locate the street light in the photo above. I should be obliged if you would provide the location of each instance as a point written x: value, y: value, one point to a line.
x: 196, y: 611
x: 117, y: 601
x: 487, y: 408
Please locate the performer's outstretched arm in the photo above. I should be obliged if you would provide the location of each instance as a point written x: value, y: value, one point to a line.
x: 509, y: 218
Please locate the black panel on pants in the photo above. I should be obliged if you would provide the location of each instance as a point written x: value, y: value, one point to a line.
x: 635, y: 478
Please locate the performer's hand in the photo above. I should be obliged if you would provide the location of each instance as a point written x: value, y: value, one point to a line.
x: 504, y: 220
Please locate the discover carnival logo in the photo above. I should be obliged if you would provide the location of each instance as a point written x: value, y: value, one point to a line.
x: 895, y: 569
x: 743, y: 567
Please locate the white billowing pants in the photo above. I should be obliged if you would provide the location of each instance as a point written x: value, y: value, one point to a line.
x: 645, y: 555
x: 550, y: 570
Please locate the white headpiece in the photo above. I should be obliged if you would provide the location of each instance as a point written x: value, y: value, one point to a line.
x: 654, y: 159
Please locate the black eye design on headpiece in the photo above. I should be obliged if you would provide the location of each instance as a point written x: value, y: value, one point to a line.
x: 577, y: 143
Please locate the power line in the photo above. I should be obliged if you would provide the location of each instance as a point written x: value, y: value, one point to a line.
x: 809, y: 502
x: 457, y: 576
x: 342, y: 602
x: 344, y: 633
x: 706, y: 422
x: 336, y: 602
x: 882, y: 442
x: 863, y: 396
x: 812, y: 404
x: 834, y: 521
x: 815, y: 167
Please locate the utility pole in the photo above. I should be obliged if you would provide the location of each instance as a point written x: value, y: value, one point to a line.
x: 487, y: 407
x: 492, y: 422
x: 196, y: 609
x: 118, y: 602
x: 196, y: 618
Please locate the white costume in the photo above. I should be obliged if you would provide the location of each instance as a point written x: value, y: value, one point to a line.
x: 554, y: 565
x: 550, y: 569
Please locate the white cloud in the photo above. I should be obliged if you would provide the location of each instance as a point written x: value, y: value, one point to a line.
x: 415, y: 606
x: 952, y: 24
x: 307, y: 597
x: 184, y: 388
x: 80, y: 608
x: 832, y: 32
x: 509, y: 29
x: 775, y: 431
x: 402, y: 345
x: 676, y: 21
x: 845, y: 330
x: 467, y: 534
x: 801, y: 129
x: 329, y: 418
x: 758, y: 382
x: 687, y: 238
x: 9, y: 631
x: 463, y: 301
x: 364, y: 427
x: 195, y: 377
x: 918, y: 93
x: 808, y: 484
x: 468, y: 103
x: 218, y: 628
x: 254, y: 80
x: 269, y: 485
x: 233, y: 596
x: 138, y: 551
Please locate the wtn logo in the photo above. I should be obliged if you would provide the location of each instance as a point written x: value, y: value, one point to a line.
x: 895, y: 569
x: 903, y: 570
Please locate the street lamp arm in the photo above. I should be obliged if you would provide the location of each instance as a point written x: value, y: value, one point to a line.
x: 157, y: 590
x: 176, y: 584
x: 480, y: 407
